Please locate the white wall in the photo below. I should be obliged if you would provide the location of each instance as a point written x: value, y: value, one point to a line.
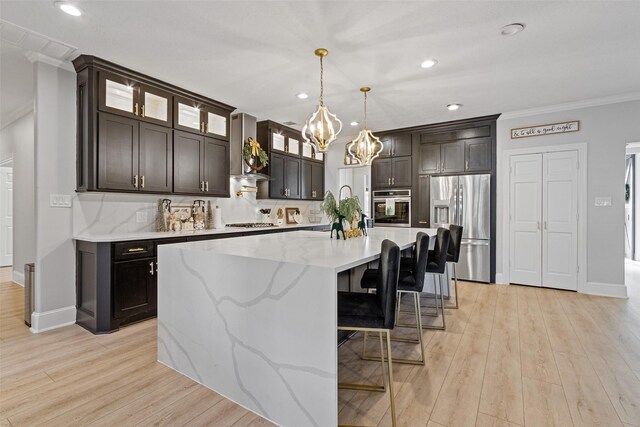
x: 17, y: 141
x: 606, y: 129
x: 55, y: 142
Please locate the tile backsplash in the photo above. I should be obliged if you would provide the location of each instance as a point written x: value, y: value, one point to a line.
x: 106, y: 213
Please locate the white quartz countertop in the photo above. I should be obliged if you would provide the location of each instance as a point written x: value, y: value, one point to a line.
x: 308, y: 247
x: 145, y: 235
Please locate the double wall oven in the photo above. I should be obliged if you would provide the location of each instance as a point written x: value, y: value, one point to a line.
x: 392, y: 208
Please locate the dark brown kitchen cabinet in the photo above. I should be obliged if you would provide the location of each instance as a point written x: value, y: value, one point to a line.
x: 122, y: 95
x: 394, y: 172
x: 312, y: 180
x: 133, y: 155
x: 477, y: 154
x: 125, y: 134
x: 422, y: 217
x: 276, y: 176
x: 193, y: 116
x: 429, y: 161
x: 134, y: 287
x: 292, y: 178
x: 396, y: 145
x: 284, y: 174
x: 452, y: 157
x: 201, y: 165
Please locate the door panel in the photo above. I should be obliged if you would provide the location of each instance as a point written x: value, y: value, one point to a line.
x: 560, y: 227
x: 474, y: 199
x: 429, y: 158
x: 276, y: 176
x: 317, y: 180
x: 157, y: 105
x: 216, y: 167
x: 118, y: 95
x: 443, y: 200
x: 381, y: 173
x: 117, y: 152
x: 156, y: 158
x: 452, y: 157
x: 307, y: 186
x: 402, y: 145
x: 6, y: 220
x: 423, y: 201
x: 292, y: 177
x: 134, y: 289
x: 525, y: 219
x: 477, y: 153
x: 401, y: 167
x: 187, y: 162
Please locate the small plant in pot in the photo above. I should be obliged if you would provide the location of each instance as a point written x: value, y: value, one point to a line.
x: 341, y: 212
x: 253, y: 155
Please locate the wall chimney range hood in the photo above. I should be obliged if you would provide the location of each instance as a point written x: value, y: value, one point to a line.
x: 243, y: 126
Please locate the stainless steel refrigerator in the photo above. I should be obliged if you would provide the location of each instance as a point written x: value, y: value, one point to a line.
x: 465, y: 200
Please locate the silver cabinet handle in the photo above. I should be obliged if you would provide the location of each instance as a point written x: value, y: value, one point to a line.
x: 206, y: 186
x: 422, y: 222
x: 151, y: 268
x: 142, y: 181
x: 201, y: 185
x: 466, y: 165
x: 389, y: 181
x: 135, y: 181
x: 393, y: 180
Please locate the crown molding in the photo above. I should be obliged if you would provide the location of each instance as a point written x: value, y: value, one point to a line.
x: 34, y: 57
x: 17, y: 114
x: 594, y: 102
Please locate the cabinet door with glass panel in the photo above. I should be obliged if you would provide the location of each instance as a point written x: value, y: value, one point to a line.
x: 309, y: 153
x: 127, y: 97
x: 194, y: 116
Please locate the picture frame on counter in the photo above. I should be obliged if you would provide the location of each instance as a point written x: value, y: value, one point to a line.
x: 293, y: 215
x: 548, y: 129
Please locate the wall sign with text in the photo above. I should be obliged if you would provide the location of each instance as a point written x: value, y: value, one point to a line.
x: 549, y: 129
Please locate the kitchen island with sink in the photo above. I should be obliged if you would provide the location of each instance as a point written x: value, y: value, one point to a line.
x: 255, y: 318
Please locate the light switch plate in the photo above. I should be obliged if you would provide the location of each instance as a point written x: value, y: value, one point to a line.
x: 603, y: 201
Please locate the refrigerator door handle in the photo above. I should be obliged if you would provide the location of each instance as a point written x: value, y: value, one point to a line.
x: 460, y: 204
x: 475, y: 242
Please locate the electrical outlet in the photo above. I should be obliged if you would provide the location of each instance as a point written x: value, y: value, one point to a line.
x: 59, y: 200
x: 603, y: 201
x: 141, y: 216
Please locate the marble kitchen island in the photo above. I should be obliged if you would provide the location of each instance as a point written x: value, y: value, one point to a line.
x: 254, y: 318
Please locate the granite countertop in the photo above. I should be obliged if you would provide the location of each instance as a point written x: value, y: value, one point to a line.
x: 147, y: 235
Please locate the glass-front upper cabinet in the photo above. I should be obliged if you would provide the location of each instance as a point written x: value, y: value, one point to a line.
x: 277, y: 141
x: 127, y: 97
x: 307, y: 150
x: 293, y: 146
x: 193, y: 116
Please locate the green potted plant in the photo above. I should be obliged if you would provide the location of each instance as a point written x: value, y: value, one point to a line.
x: 253, y: 155
x: 347, y: 208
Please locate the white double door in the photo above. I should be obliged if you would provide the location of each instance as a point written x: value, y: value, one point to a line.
x: 544, y: 219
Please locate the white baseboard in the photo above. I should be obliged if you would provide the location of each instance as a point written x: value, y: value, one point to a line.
x: 500, y: 279
x: 53, y: 319
x: 606, y: 289
x: 18, y: 277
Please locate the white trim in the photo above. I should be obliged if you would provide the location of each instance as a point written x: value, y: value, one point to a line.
x: 614, y: 99
x: 53, y: 319
x: 500, y: 279
x: 607, y: 290
x: 581, y: 148
x: 18, y: 277
x: 17, y: 114
x: 39, y: 57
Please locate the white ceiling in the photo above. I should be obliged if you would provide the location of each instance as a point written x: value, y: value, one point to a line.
x: 256, y: 55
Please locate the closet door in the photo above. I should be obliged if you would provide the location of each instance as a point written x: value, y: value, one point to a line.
x: 525, y: 219
x: 560, y: 220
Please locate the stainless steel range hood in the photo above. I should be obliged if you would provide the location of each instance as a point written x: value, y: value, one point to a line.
x: 243, y: 126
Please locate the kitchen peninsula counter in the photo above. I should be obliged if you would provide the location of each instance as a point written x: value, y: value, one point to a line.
x: 255, y: 318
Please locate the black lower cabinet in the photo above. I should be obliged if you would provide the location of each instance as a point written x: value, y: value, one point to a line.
x: 134, y: 288
x: 117, y: 282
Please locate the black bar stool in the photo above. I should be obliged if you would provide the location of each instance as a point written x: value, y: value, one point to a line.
x: 453, y: 255
x: 437, y: 265
x: 365, y: 312
x: 410, y: 283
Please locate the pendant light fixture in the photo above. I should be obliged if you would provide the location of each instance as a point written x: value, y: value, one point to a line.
x: 366, y: 146
x: 323, y: 127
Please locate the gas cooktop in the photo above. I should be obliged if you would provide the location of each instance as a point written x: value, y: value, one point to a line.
x: 250, y: 224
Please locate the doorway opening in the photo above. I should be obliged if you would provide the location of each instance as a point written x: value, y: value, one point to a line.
x: 6, y: 212
x: 632, y: 219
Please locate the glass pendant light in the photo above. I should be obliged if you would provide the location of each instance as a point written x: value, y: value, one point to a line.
x: 323, y: 127
x: 366, y: 146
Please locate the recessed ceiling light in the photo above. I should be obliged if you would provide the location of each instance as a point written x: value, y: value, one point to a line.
x: 453, y: 107
x: 429, y: 63
x: 302, y: 95
x: 67, y: 8
x: 354, y: 123
x: 512, y: 29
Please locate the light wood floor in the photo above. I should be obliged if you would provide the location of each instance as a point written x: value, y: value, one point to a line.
x: 510, y: 356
